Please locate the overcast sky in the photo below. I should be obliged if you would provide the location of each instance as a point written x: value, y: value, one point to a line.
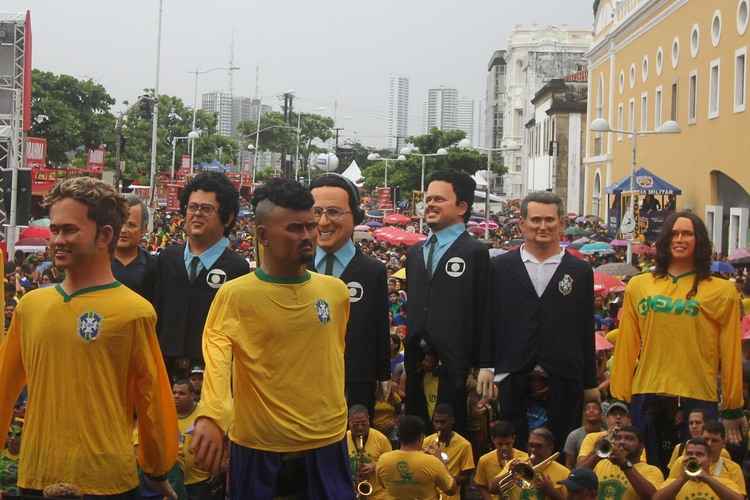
x: 326, y: 51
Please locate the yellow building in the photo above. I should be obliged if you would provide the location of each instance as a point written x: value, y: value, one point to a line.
x: 683, y: 60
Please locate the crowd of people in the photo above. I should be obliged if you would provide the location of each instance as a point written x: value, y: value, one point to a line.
x: 290, y: 361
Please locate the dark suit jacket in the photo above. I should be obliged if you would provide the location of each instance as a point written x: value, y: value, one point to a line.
x: 368, y: 332
x: 555, y: 330
x: 182, y: 307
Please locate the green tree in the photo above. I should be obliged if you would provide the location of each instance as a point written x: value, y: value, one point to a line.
x: 72, y: 114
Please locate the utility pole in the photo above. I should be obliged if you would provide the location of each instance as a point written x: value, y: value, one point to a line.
x: 337, y: 129
x: 288, y: 110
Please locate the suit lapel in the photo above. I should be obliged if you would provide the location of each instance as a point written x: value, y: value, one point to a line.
x: 351, y: 268
x: 520, y: 270
x: 554, y: 282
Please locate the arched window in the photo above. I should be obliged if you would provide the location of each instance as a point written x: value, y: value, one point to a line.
x: 596, y: 195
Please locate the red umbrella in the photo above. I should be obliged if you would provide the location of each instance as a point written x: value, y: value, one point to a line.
x: 608, y: 283
x: 32, y: 242
x: 396, y: 219
x: 398, y: 236
x: 641, y: 249
x: 746, y: 327
x: 601, y: 344
x: 575, y: 253
x: 36, y: 232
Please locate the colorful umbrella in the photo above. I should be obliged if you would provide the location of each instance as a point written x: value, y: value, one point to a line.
x: 642, y: 249
x: 721, y: 267
x: 35, y: 232
x: 601, y: 344
x: 596, y: 247
x: 618, y: 269
x: 374, y: 223
x: 580, y: 242
x: 32, y: 242
x: 576, y: 231
x: 396, y: 219
x: 575, y: 253
x: 43, y: 222
x: 618, y: 243
x: 740, y: 256
x: 400, y: 274
x: 608, y: 284
x: 362, y: 227
x: 746, y: 327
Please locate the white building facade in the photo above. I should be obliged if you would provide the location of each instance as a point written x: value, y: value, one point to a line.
x: 398, y: 112
x: 465, y: 118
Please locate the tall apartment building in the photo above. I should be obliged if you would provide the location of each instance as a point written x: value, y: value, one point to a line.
x: 441, y: 109
x: 465, y: 118
x: 398, y: 112
x: 534, y: 55
x: 220, y: 103
x: 495, y: 100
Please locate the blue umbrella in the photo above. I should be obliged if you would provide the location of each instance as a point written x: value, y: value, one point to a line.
x: 374, y: 223
x: 596, y: 247
x: 721, y: 267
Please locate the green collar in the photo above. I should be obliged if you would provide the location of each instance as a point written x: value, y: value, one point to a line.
x: 676, y: 278
x: 68, y: 298
x: 282, y: 280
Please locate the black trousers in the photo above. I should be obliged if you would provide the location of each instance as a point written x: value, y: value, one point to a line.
x: 451, y: 390
x: 361, y: 393
x: 564, y: 406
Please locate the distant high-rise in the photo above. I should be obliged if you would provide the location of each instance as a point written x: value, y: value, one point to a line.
x: 221, y: 104
x: 398, y: 112
x: 465, y: 118
x: 441, y: 109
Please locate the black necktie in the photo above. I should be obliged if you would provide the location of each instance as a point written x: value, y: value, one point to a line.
x: 431, y: 254
x: 329, y: 264
x: 194, y: 268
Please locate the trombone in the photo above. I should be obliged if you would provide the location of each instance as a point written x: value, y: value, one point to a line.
x: 522, y: 474
x: 364, y: 487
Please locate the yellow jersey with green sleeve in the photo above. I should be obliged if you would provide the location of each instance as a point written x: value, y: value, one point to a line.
x: 91, y: 360
x: 489, y: 467
x: 613, y: 483
x: 671, y: 344
x: 413, y: 475
x: 460, y: 456
x: 724, y: 468
x: 275, y: 347
x: 698, y: 490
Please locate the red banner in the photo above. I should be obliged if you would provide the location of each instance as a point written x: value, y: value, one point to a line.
x: 383, y: 195
x: 27, y: 72
x: 96, y: 158
x: 36, y: 152
x: 173, y: 197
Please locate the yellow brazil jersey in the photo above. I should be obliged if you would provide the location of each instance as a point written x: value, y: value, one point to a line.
x: 376, y: 445
x: 278, y: 344
x: 430, y: 385
x: 91, y: 361
x: 385, y: 412
x: 193, y: 474
x: 589, y: 443
x: 615, y: 485
x: 412, y: 474
x: 460, y: 455
x: 555, y: 471
x: 489, y: 467
x: 669, y: 344
x: 679, y: 450
x: 698, y: 490
x: 725, y: 468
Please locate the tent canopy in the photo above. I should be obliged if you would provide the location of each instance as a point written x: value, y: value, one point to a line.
x: 353, y: 173
x: 645, y: 183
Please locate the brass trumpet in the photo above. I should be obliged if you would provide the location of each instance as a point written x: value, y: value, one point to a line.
x: 443, y: 455
x: 605, y: 447
x: 692, y: 467
x: 364, y: 487
x: 522, y: 474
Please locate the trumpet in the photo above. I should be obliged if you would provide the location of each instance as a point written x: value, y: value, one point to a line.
x: 364, y: 487
x: 605, y: 447
x: 692, y: 467
x: 442, y: 445
x: 522, y: 474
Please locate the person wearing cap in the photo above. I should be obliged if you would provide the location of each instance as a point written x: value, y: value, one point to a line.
x: 196, y: 380
x: 617, y: 417
x: 367, y: 357
x: 623, y: 475
x: 581, y: 484
x: 705, y: 485
x: 492, y: 464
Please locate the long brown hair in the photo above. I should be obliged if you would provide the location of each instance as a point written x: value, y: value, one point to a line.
x: 701, y: 257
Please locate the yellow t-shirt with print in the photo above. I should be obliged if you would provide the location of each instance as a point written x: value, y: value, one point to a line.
x: 460, y: 456
x: 698, y: 490
x: 615, y: 485
x: 725, y: 468
x: 430, y: 385
x: 376, y: 445
x: 412, y: 474
x: 679, y: 450
x: 193, y: 474
x: 589, y: 443
x: 556, y: 473
x: 489, y: 467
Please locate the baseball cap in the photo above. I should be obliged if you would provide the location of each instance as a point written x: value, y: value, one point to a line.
x: 196, y: 370
x: 581, y: 479
x: 618, y: 404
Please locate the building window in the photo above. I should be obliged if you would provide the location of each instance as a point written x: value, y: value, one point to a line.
x: 740, y: 77
x: 620, y: 120
x: 659, y: 61
x: 673, y: 104
x: 657, y: 108
x: 675, y: 52
x: 692, y: 96
x: 631, y: 76
x: 644, y: 69
x: 622, y: 81
x: 742, y: 16
x: 716, y: 28
x: 596, y: 194
x: 644, y: 111
x: 695, y: 40
x: 600, y: 98
x: 517, y: 123
x: 631, y: 115
x: 713, y: 86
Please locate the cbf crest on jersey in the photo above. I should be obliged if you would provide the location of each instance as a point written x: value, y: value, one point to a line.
x: 323, y: 310
x: 89, y: 326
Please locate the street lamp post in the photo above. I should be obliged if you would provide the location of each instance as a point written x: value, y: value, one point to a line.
x: 257, y: 143
x: 174, y: 152
x: 377, y: 157
x: 192, y: 136
x: 155, y: 117
x: 410, y: 151
x: 466, y: 144
x: 602, y: 126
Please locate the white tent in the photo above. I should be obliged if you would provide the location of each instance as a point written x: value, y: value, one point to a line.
x: 354, y: 173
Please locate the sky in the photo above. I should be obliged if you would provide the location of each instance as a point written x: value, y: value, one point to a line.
x: 336, y: 55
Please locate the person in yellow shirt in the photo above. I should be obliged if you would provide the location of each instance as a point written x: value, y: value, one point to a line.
x: 196, y: 480
x: 100, y: 337
x: 491, y: 464
x: 450, y: 447
x: 410, y: 472
x: 548, y: 477
x: 274, y: 345
x: 679, y: 333
x: 618, y: 416
x: 703, y: 486
x: 696, y: 419
x: 623, y: 476
x: 720, y: 464
x: 365, y: 446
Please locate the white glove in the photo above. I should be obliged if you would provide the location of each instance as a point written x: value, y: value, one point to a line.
x: 485, y: 384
